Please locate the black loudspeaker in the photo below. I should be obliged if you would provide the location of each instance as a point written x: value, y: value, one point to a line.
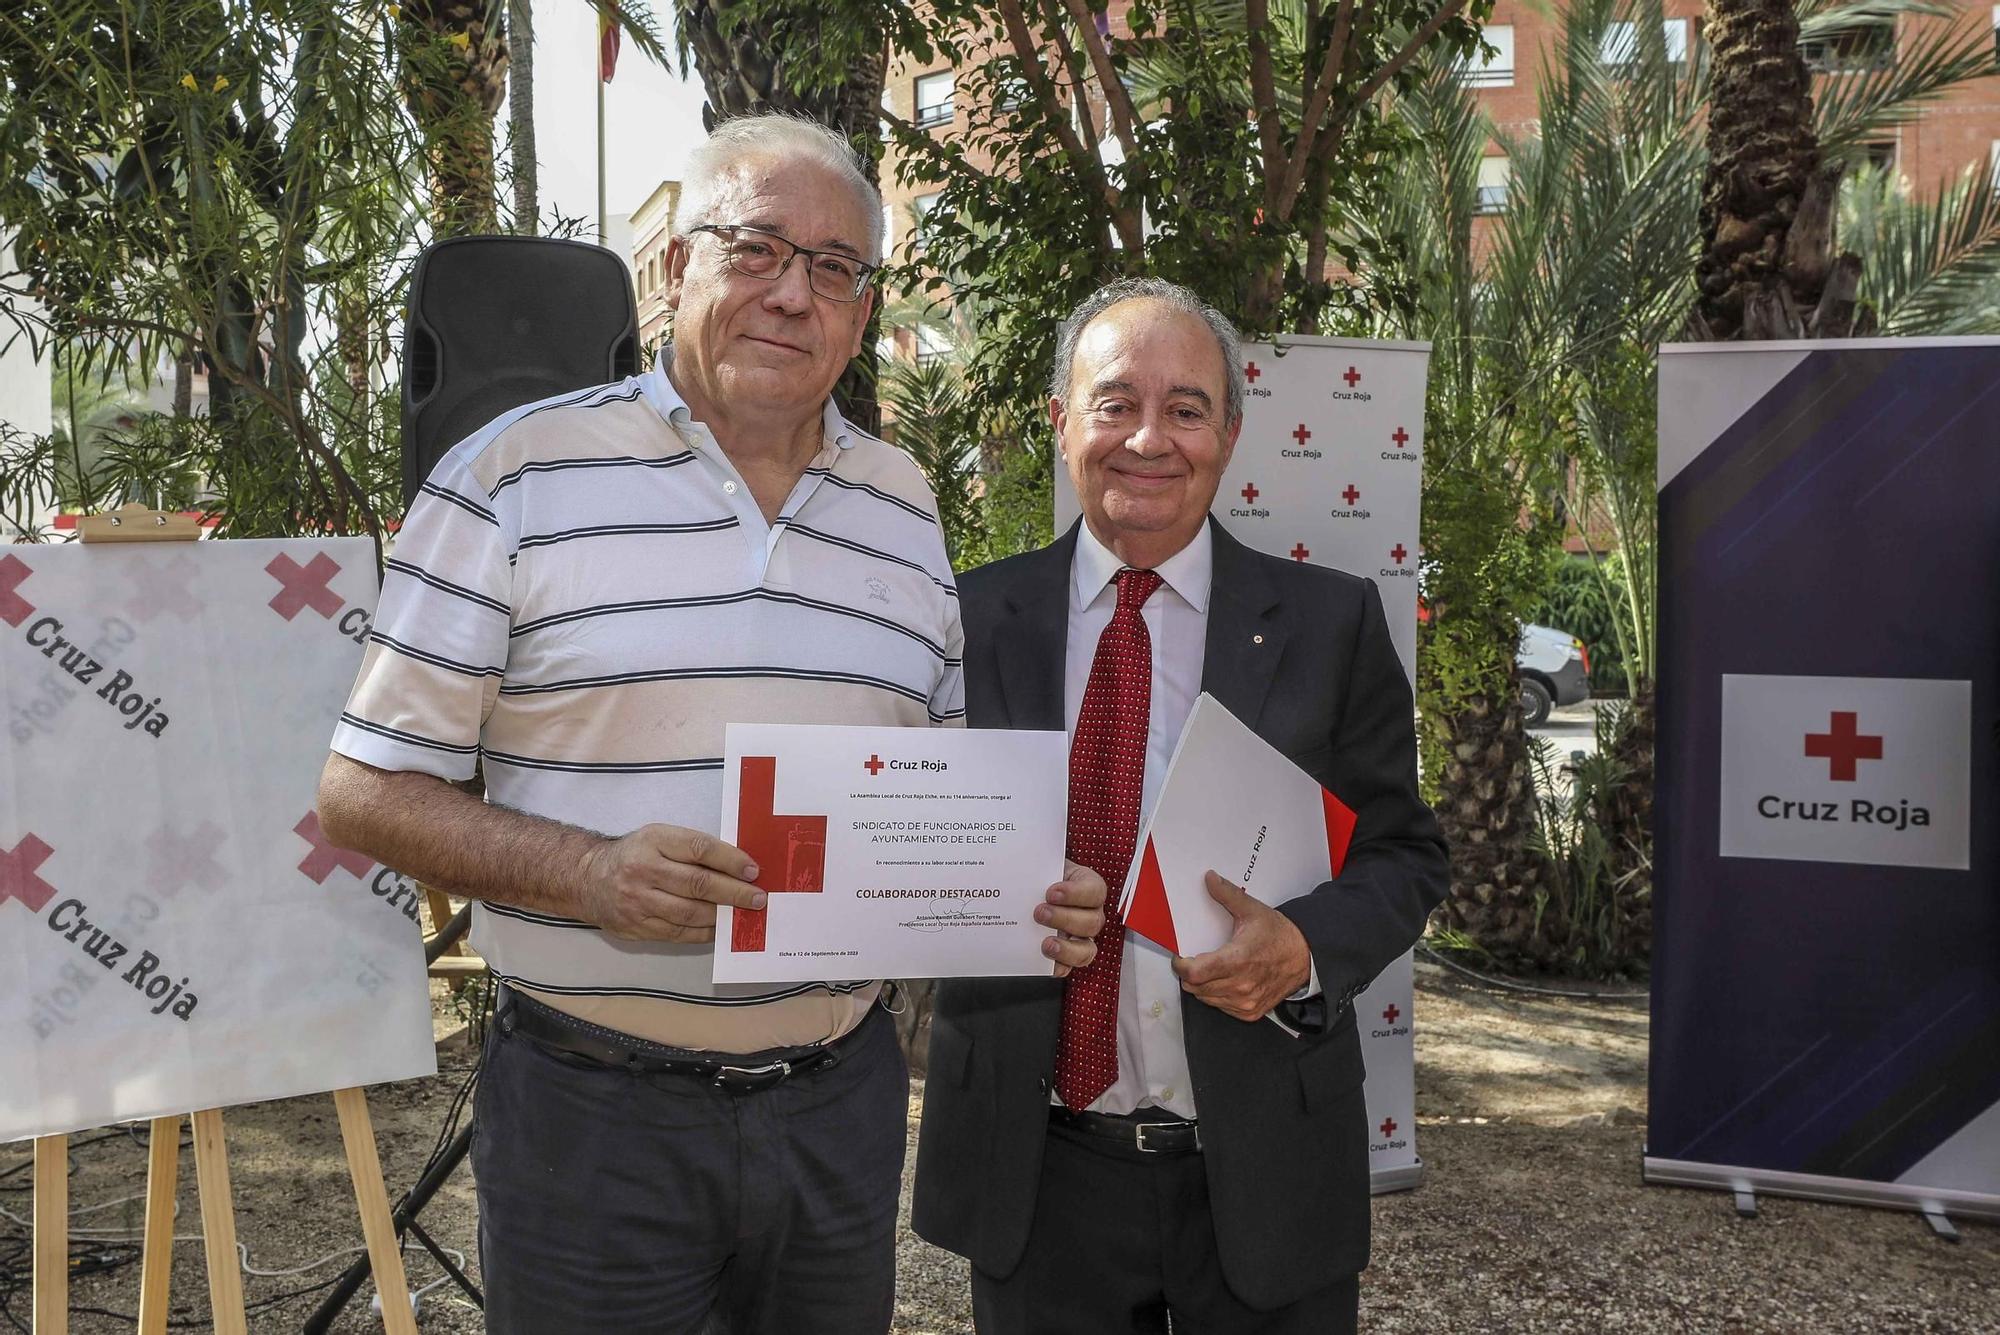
x: 498, y: 321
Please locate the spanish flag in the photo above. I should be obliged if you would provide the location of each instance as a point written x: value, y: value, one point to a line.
x: 607, y: 42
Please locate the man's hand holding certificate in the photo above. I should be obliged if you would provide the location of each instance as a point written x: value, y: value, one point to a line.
x: 891, y: 852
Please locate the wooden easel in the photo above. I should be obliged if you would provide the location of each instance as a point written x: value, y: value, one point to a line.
x: 136, y: 523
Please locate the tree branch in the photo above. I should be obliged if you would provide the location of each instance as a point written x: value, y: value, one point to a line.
x: 1124, y: 219
x: 1123, y: 118
x: 1319, y: 92
x: 1264, y: 98
x: 1085, y: 163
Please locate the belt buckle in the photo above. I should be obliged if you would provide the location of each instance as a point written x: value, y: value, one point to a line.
x: 751, y: 1079
x: 1139, y: 1136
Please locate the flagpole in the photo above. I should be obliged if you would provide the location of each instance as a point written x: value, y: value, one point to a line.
x: 603, y: 231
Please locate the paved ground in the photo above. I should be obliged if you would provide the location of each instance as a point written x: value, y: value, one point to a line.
x: 1532, y: 1217
x: 1572, y: 728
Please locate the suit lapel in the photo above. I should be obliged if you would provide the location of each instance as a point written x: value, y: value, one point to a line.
x: 1032, y: 638
x: 1246, y: 635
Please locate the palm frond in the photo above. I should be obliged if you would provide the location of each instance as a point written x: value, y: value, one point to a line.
x: 1853, y: 106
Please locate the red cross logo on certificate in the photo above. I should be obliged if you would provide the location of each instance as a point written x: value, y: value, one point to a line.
x: 873, y: 764
x: 790, y: 851
x: 1843, y: 746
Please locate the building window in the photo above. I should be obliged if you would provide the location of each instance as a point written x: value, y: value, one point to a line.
x: 934, y: 98
x: 921, y: 209
x: 932, y: 345
x: 1497, y: 69
x: 1880, y: 154
x: 1865, y: 48
x: 1620, y: 47
x: 1494, y: 175
x: 1676, y: 32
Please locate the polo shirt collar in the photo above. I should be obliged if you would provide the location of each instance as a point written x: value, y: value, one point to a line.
x: 660, y: 391
x: 1188, y: 572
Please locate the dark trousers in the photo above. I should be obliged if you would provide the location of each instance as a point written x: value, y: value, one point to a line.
x: 1123, y: 1241
x: 662, y: 1205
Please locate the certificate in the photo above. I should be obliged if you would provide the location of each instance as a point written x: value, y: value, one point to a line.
x: 891, y: 852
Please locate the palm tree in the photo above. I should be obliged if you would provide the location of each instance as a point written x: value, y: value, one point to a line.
x: 454, y: 73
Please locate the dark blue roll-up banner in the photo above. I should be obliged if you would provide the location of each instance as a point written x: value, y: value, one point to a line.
x: 1826, y: 989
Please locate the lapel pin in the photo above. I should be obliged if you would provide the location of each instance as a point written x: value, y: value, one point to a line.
x: 1256, y: 639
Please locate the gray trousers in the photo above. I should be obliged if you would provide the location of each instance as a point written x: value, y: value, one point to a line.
x: 661, y: 1205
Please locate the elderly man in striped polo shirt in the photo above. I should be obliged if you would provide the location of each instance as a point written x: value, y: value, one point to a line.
x: 585, y: 593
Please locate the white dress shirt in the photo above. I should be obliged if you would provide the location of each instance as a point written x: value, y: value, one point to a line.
x: 1152, y: 1059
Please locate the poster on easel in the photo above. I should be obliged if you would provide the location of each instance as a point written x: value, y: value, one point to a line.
x: 176, y: 931
x: 1329, y: 469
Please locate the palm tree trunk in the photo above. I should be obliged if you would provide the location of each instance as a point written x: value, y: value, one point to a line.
x: 454, y: 78
x: 521, y: 114
x: 1486, y: 811
x: 1767, y: 268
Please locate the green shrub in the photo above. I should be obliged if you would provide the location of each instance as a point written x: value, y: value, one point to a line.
x: 1575, y: 601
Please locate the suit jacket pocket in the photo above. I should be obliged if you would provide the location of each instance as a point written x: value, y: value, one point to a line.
x: 1331, y: 1070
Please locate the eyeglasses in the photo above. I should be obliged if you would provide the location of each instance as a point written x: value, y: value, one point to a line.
x: 756, y: 253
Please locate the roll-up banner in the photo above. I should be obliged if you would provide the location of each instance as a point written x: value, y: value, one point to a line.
x: 1826, y: 990
x: 1329, y: 469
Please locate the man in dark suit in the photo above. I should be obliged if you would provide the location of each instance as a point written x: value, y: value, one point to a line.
x: 1149, y: 1116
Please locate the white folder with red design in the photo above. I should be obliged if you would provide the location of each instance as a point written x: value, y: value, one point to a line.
x: 1232, y: 803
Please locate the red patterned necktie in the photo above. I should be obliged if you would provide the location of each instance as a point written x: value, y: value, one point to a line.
x: 1107, y: 773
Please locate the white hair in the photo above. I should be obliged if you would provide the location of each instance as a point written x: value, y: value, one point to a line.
x: 1227, y: 341
x: 774, y: 136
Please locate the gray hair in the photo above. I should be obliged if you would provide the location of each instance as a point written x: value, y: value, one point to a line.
x: 773, y: 136
x: 1227, y: 340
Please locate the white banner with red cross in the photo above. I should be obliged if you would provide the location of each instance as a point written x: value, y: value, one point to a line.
x: 1329, y: 469
x: 175, y: 931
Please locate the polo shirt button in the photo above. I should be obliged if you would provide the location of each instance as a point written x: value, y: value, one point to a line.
x: 729, y: 487
x: 1158, y: 1010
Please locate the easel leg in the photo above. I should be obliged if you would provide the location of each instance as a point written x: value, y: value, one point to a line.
x: 163, y: 1168
x: 378, y: 1229
x: 51, y: 1235
x: 218, y: 1224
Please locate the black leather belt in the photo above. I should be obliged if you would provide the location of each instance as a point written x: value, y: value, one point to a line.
x: 1143, y: 1130
x: 747, y: 1074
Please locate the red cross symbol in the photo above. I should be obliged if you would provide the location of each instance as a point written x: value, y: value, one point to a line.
x: 180, y: 860
x: 1302, y: 435
x: 1401, y: 437
x: 1388, y: 1127
x: 1299, y: 552
x: 1398, y: 552
x: 305, y: 586
x: 163, y: 588
x: 790, y: 851
x: 1353, y: 377
x: 14, y: 609
x: 1250, y: 492
x: 17, y: 874
x: 1842, y: 746
x: 325, y: 856
x: 1251, y: 373
x: 1391, y: 1013
x: 1350, y: 495
x: 873, y: 764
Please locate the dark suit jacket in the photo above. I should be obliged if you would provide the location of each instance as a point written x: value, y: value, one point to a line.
x: 1284, y: 1128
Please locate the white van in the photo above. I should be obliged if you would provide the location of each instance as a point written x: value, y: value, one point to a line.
x: 1555, y: 670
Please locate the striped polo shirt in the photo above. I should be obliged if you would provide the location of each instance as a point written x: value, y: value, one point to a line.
x: 583, y: 596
